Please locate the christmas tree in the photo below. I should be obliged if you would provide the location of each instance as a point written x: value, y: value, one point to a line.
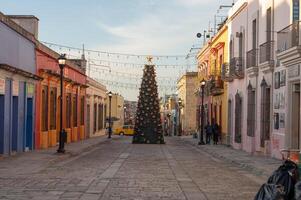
x: 148, y: 127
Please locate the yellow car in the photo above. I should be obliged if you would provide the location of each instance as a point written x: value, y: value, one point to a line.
x: 125, y: 130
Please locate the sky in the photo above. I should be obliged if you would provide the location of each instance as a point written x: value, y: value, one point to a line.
x: 152, y: 27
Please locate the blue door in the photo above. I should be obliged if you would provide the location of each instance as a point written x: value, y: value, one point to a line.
x: 29, y: 124
x: 15, y: 124
x: 1, y: 124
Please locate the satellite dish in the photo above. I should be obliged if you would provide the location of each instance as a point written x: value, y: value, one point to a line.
x: 199, y: 35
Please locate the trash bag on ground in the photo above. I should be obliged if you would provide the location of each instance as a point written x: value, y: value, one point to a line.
x: 298, y: 191
x: 270, y: 192
x: 285, y: 177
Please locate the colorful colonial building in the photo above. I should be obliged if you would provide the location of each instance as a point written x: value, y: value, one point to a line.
x: 96, y: 108
x: 48, y: 99
x: 211, y: 59
x: 17, y: 86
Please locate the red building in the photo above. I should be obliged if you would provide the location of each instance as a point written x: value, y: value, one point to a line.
x: 48, y: 99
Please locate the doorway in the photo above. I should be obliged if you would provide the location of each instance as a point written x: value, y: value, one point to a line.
x: 295, y: 116
x: 15, y: 124
x: 29, y: 124
x: 88, y: 120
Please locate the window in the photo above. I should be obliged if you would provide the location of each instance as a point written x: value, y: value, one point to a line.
x: 100, y: 116
x: 74, y: 109
x: 269, y: 24
x: 251, y: 112
x: 240, y: 45
x: 296, y: 10
x: 44, y: 114
x: 238, y: 115
x: 53, y: 93
x: 82, y: 110
x: 265, y: 112
x: 95, y: 118
x: 254, y: 34
x: 68, y: 110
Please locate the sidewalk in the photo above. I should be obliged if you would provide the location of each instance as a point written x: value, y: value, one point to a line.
x: 258, y: 165
x: 33, y: 161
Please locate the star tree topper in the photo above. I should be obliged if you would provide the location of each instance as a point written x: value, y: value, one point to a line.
x: 149, y: 59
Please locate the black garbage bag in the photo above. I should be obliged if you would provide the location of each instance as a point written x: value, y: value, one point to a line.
x: 270, y: 192
x: 286, y: 175
x: 298, y: 191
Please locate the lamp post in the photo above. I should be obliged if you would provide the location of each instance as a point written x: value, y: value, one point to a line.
x: 124, y: 115
x: 110, y: 114
x: 201, y: 142
x: 180, y: 124
x: 62, y: 137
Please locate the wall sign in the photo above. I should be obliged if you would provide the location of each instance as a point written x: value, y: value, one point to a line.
x: 30, y: 90
x: 15, y: 88
x: 2, y: 86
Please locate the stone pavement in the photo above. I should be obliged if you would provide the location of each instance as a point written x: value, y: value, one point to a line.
x: 256, y: 164
x: 116, y: 169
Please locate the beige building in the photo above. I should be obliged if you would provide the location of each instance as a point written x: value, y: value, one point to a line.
x: 186, y: 87
x: 95, y: 120
x: 117, y: 113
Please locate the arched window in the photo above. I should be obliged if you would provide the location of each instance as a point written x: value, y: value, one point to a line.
x: 52, y: 108
x: 74, y: 109
x: 68, y: 110
x: 265, y: 116
x: 251, y: 111
x: 238, y: 116
x: 44, y: 114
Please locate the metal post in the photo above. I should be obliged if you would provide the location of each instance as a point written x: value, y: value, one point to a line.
x: 62, y: 132
x: 110, y: 117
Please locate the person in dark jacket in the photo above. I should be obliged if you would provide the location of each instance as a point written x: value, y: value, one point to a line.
x: 215, y: 130
x: 208, y: 130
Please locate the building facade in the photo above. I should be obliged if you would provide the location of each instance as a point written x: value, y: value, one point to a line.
x: 117, y: 111
x: 48, y: 100
x: 130, y: 108
x: 96, y: 108
x: 211, y: 60
x: 17, y: 87
x: 186, y: 87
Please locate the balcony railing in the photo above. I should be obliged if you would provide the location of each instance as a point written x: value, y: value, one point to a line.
x: 226, y: 72
x: 236, y: 67
x: 288, y: 37
x: 252, y: 58
x: 217, y: 86
x: 267, y: 52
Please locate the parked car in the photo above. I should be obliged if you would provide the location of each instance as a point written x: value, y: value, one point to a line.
x: 125, y: 130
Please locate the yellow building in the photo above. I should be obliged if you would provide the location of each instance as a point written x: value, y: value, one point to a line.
x: 117, y: 110
x: 211, y: 58
x: 186, y: 88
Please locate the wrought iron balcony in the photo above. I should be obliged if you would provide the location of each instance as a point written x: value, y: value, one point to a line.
x: 216, y: 86
x: 267, y: 52
x: 236, y: 67
x: 252, y: 58
x: 226, y: 72
x: 288, y: 37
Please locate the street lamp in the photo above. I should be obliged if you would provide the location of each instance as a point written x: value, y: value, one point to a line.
x: 180, y: 125
x: 124, y: 114
x: 201, y: 142
x: 110, y: 114
x: 63, y: 135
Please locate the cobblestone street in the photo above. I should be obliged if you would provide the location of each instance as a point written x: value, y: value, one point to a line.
x: 117, y: 169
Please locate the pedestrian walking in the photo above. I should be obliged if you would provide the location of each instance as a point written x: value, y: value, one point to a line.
x: 208, y: 129
x: 215, y: 130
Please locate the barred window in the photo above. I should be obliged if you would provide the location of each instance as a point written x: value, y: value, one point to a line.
x: 238, y: 116
x: 74, y: 110
x: 251, y: 112
x: 68, y: 110
x: 265, y: 113
x: 100, y: 116
x: 95, y: 118
x: 82, y: 110
x: 53, y: 92
x: 44, y: 114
